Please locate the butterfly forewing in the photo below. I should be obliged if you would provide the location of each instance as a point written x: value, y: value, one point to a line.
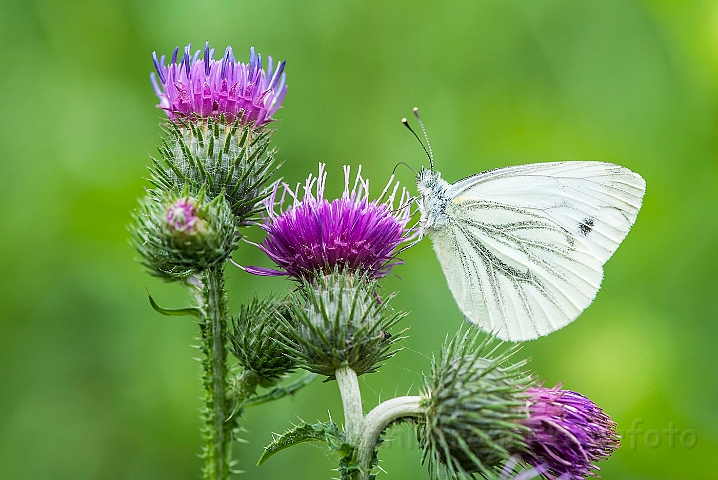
x: 596, y: 201
x: 523, y: 247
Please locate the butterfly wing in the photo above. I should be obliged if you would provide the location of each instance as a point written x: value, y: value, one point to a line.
x: 523, y: 247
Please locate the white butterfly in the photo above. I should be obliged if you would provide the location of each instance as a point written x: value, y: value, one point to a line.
x: 522, y: 248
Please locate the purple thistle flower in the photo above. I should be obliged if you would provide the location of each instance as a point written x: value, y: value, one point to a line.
x: 569, y: 433
x: 182, y: 217
x: 211, y: 88
x: 350, y: 233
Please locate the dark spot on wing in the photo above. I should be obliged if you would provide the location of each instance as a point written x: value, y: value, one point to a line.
x: 586, y: 226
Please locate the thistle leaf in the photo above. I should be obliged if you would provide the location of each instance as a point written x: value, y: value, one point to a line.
x: 172, y: 312
x: 319, y: 432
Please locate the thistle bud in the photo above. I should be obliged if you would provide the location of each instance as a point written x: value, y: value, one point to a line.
x: 336, y: 321
x: 178, y: 235
x: 473, y: 404
x: 254, y: 340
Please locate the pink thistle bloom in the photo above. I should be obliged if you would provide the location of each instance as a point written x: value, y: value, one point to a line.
x: 315, y: 236
x: 182, y: 217
x: 569, y: 433
x: 212, y: 88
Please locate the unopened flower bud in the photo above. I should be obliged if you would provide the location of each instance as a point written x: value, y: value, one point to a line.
x: 255, y: 340
x: 178, y: 235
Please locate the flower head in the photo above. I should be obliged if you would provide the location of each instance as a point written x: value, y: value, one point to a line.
x: 485, y: 415
x: 253, y: 340
x: 212, y: 88
x: 569, y: 433
x: 349, y: 234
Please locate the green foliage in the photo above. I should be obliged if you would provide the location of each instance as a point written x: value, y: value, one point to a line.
x: 473, y: 398
x: 174, y: 255
x: 339, y: 321
x: 327, y: 433
x: 225, y: 159
x: 175, y: 312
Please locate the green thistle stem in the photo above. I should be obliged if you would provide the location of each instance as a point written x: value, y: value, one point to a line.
x: 217, y: 431
x: 376, y: 421
x: 351, y: 400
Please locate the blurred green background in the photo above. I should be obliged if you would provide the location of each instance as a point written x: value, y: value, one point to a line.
x: 95, y: 385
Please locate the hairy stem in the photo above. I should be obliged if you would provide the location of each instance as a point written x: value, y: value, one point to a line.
x: 351, y: 400
x: 217, y: 432
x: 376, y: 421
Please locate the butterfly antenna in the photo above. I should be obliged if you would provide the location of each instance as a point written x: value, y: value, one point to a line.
x: 428, y: 144
x: 406, y: 165
x: 393, y: 172
x: 431, y: 159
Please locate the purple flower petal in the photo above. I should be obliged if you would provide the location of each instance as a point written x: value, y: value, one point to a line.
x: 569, y: 433
x: 182, y: 217
x: 350, y: 233
x: 212, y: 88
x: 264, y: 272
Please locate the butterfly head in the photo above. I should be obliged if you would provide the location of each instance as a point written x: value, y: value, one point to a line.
x: 428, y: 180
x: 433, y: 200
